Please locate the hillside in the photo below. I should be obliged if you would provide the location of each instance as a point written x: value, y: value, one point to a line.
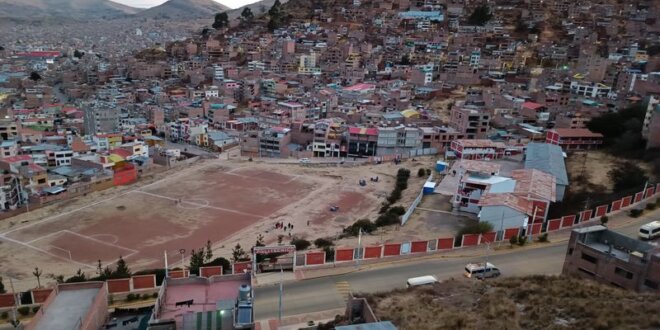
x: 190, y: 9
x: 533, y: 302
x: 257, y: 8
x: 76, y: 9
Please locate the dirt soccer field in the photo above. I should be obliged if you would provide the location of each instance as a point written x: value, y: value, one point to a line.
x: 223, y: 201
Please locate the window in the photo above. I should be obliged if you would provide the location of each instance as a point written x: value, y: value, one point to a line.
x: 589, y: 258
x: 651, y: 284
x: 623, y: 273
x: 584, y: 271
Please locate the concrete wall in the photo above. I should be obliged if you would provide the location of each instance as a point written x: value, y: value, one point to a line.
x: 502, y: 217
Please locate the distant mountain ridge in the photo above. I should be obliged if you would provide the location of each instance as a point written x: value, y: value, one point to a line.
x: 77, y: 9
x: 185, y: 9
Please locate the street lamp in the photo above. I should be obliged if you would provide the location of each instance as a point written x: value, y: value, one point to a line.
x: 183, y: 253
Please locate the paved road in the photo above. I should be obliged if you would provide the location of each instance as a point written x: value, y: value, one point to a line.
x: 321, y: 294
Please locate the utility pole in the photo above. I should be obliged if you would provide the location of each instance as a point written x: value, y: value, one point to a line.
x: 166, y: 266
x: 357, y: 260
x: 13, y: 309
x: 281, y: 292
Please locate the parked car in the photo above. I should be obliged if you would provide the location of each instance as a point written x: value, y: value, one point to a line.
x: 650, y: 230
x: 422, y: 280
x: 305, y: 161
x: 481, y: 270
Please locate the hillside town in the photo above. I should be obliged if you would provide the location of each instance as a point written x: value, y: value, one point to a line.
x: 500, y: 104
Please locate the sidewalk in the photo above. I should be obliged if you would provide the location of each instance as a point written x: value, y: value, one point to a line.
x: 556, y: 237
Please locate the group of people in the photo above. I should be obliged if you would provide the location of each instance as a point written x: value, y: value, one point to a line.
x: 281, y: 225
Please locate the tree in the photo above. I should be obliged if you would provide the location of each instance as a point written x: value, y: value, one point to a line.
x: 196, y: 260
x: 2, y: 286
x: 405, y: 60
x: 322, y: 243
x: 300, y: 244
x: 363, y: 224
x: 37, y: 273
x: 480, y: 16
x: 122, y: 270
x: 247, y: 15
x: 221, y: 20
x: 260, y: 240
x: 78, y: 54
x: 276, y: 16
x: 208, y: 255
x: 220, y: 261
x: 79, y: 277
x: 627, y: 175
x: 237, y: 253
x: 34, y: 76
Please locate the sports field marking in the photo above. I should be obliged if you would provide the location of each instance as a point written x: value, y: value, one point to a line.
x: 201, y: 205
x: 45, y: 236
x: 114, y: 238
x: 101, y: 242
x: 11, y: 240
x: 60, y: 215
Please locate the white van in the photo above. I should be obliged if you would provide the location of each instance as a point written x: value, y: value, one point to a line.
x: 422, y: 280
x: 650, y: 230
x: 481, y: 271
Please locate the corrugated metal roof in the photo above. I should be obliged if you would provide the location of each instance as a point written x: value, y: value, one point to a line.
x: 547, y: 158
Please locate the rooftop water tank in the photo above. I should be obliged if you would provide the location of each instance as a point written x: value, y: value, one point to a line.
x: 244, y: 293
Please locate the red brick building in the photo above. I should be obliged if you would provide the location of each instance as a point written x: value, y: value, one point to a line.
x: 570, y: 139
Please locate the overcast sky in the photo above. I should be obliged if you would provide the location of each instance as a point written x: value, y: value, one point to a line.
x: 151, y: 3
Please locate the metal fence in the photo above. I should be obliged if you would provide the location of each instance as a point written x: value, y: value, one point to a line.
x: 414, y: 204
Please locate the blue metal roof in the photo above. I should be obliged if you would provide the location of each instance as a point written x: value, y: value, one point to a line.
x: 548, y: 158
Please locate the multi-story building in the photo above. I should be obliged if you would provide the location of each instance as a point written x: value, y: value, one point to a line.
x: 398, y: 140
x: 477, y: 149
x: 472, y: 123
x: 101, y: 119
x: 362, y: 142
x: 273, y: 142
x: 574, y: 139
x: 649, y: 105
x: 608, y: 257
x: 11, y: 192
x: 571, y: 120
x: 326, y: 141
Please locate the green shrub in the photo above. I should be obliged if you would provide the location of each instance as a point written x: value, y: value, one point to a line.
x: 154, y: 295
x: 131, y: 297
x: 25, y: 310
x: 428, y: 172
x: 397, y: 210
x: 421, y: 172
x: 604, y: 219
x: 146, y: 296
x: 387, y: 219
x: 513, y: 240
x: 635, y: 213
x: 476, y: 228
x: 35, y: 309
x: 651, y: 206
x: 300, y: 244
x: 323, y: 243
x: 365, y: 224
x: 329, y: 254
x: 522, y: 240
x: 543, y: 238
x: 4, y: 315
x: 384, y: 208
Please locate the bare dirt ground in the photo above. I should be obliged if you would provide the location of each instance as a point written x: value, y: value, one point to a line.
x: 532, y: 302
x: 225, y: 201
x: 594, y: 166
